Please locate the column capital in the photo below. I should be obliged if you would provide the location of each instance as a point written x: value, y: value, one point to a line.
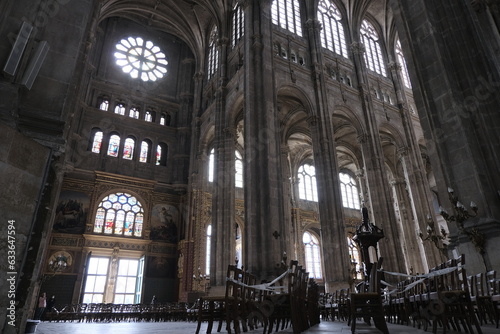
x: 358, y: 48
x: 394, y: 66
x: 314, y: 24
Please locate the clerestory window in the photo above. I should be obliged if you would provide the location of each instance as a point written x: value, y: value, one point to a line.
x: 373, y: 52
x: 332, y: 34
x: 286, y: 14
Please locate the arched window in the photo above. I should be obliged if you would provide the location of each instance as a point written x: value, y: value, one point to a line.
x: 134, y: 113
x: 307, y: 183
x: 161, y: 154
x: 104, y: 105
x: 119, y: 214
x: 238, y: 24
x: 355, y: 256
x: 128, y: 148
x: 211, y: 162
x: 238, y: 166
x: 213, y: 53
x: 312, y: 255
x: 332, y: 34
x: 114, y: 145
x: 120, y: 109
x: 96, y: 142
x: 148, y: 116
x: 402, y: 63
x: 144, y: 155
x: 207, y: 259
x: 373, y: 52
x: 349, y: 190
x: 286, y: 14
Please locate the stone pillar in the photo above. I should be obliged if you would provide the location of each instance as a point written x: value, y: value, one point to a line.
x: 373, y: 158
x: 335, y: 252
x: 457, y: 100
x: 418, y: 189
x: 263, y: 240
x: 223, y: 202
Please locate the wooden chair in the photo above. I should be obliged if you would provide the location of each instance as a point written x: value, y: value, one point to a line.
x: 451, y: 302
x: 369, y: 304
x: 493, y: 286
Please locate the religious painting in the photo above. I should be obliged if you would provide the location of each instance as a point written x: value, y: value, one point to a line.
x: 164, y: 218
x: 71, y: 212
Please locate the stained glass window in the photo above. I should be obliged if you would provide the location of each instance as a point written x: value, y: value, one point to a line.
x: 158, y: 155
x: 120, y: 109
x: 144, y: 152
x: 141, y: 59
x: 104, y: 105
x: 238, y: 166
x: 312, y: 255
x: 286, y: 14
x: 114, y: 144
x: 96, y: 143
x: 238, y: 24
x: 119, y: 214
x: 148, y: 117
x: 213, y: 53
x: 211, y: 166
x: 373, y: 53
x: 332, y: 34
x: 128, y: 149
x: 307, y: 183
x: 134, y: 113
x: 402, y: 63
x: 207, y: 259
x: 349, y: 190
x: 162, y: 119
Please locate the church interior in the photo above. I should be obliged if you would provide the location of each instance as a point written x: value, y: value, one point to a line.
x: 146, y: 145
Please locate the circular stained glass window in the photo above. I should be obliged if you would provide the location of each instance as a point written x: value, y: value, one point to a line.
x: 141, y: 59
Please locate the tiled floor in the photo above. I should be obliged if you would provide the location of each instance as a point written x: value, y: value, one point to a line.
x: 190, y: 328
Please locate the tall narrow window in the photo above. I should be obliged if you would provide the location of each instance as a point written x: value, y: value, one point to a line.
x: 120, y: 109
x: 148, y: 116
x: 95, y: 281
x: 332, y: 34
x: 213, y: 53
x: 207, y: 259
x: 143, y: 157
x: 126, y: 281
x: 158, y: 155
x: 128, y: 149
x: 238, y: 248
x: 96, y: 143
x: 134, y: 113
x: 238, y: 166
x: 373, y: 53
x: 238, y: 24
x: 349, y: 190
x: 286, y: 14
x: 114, y: 145
x: 402, y: 63
x: 211, y: 163
x: 307, y: 183
x: 312, y: 255
x: 104, y: 105
x: 119, y: 214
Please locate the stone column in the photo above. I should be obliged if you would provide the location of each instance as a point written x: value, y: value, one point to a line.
x: 457, y: 98
x: 376, y: 177
x: 335, y: 252
x: 418, y: 189
x: 223, y: 203
x: 263, y: 240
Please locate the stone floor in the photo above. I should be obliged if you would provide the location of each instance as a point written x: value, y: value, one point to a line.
x: 190, y: 328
